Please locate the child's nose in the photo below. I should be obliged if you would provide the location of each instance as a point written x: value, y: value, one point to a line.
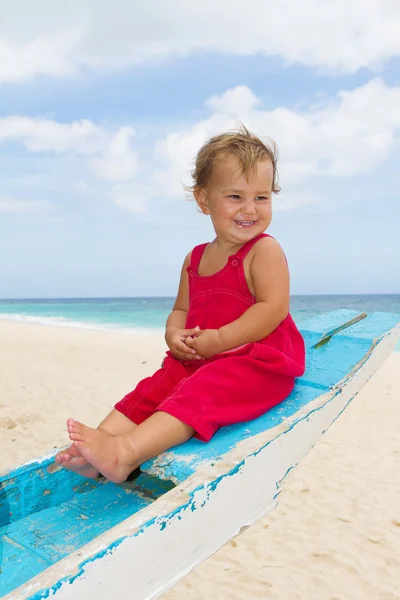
x: 249, y: 207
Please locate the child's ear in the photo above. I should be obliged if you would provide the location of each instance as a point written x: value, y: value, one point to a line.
x: 200, y: 195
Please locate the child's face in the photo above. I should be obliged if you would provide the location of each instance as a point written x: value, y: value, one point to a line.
x: 240, y: 209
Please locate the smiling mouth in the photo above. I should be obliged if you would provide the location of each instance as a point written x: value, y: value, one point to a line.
x: 245, y: 223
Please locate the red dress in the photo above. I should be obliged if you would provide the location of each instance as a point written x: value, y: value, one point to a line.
x: 238, y: 385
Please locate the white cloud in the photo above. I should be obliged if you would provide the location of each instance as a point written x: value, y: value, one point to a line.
x: 113, y: 158
x: 240, y: 100
x: 177, y: 151
x: 130, y: 197
x: 46, y: 135
x: 349, y: 135
x: 44, y: 54
x: 109, y: 154
x: 54, y: 39
x: 119, y: 162
x: 292, y: 199
x: 13, y: 205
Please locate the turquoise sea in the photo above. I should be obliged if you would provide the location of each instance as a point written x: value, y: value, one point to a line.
x: 149, y: 314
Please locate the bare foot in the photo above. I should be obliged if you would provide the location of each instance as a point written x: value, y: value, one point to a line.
x: 73, y: 460
x: 113, y: 456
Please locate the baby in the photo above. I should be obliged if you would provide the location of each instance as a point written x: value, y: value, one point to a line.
x: 234, y: 350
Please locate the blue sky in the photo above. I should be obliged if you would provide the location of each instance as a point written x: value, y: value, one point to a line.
x: 102, y: 109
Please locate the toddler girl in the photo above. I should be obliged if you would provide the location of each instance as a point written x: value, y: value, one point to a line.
x: 234, y: 350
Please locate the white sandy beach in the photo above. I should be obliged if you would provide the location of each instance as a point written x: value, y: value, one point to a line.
x: 336, y: 531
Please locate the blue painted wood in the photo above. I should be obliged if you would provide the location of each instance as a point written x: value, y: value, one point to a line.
x: 320, y: 326
x: 374, y: 327
x: 182, y: 461
x: 51, y: 530
x: 326, y: 366
x: 38, y: 486
x: 47, y: 512
x: 330, y: 363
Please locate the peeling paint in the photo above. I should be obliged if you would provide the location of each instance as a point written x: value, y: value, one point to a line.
x: 209, y: 480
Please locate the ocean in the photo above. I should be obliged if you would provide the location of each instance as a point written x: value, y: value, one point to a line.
x: 149, y: 314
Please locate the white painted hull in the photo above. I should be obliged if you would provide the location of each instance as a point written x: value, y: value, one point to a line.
x: 163, y: 542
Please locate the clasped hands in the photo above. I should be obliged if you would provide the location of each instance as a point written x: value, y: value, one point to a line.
x: 194, y: 344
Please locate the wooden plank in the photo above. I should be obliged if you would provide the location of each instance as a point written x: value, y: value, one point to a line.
x: 321, y: 327
x: 48, y: 531
x: 86, y: 533
x: 327, y: 365
x: 37, y: 486
x: 182, y: 461
x: 329, y: 334
x: 185, y: 526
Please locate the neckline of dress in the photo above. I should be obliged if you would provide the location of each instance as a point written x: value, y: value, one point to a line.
x: 228, y: 262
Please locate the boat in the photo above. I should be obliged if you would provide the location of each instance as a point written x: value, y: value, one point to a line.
x: 66, y: 537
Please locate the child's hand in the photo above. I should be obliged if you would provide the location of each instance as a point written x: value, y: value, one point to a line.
x: 207, y: 343
x: 176, y: 342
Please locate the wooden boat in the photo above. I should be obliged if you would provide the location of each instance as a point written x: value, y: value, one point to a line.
x: 70, y: 538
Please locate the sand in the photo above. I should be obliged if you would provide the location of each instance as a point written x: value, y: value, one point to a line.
x: 336, y: 531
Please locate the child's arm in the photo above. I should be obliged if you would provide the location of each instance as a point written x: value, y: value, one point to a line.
x: 175, y: 332
x: 270, y: 277
x: 177, y: 318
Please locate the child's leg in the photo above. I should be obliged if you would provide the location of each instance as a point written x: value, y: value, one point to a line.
x: 134, y: 407
x: 115, y: 423
x: 117, y: 456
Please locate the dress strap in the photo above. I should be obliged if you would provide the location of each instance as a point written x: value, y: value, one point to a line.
x: 195, y: 258
x: 248, y: 245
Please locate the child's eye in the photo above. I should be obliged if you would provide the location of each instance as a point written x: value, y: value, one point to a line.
x: 261, y: 198
x: 235, y: 196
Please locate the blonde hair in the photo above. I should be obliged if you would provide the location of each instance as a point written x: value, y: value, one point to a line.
x: 245, y: 146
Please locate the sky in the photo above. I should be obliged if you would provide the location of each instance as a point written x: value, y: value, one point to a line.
x: 103, y: 106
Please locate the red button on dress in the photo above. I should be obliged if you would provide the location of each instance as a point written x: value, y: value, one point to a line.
x: 238, y: 385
